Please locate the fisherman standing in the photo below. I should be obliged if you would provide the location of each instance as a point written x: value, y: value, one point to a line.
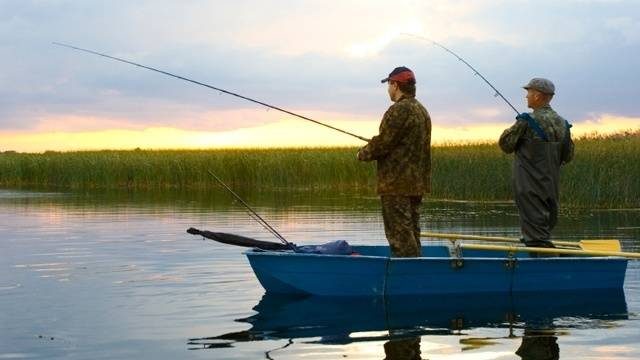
x: 402, y: 150
x: 542, y: 143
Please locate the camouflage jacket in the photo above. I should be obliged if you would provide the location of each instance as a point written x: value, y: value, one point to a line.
x: 402, y: 149
x: 553, y: 125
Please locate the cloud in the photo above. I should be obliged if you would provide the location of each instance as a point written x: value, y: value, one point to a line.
x: 627, y: 26
x: 308, y: 56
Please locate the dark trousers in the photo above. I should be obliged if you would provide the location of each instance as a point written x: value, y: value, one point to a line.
x: 401, y: 215
x: 537, y: 219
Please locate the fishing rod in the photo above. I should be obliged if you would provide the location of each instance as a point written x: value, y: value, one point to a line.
x: 254, y: 214
x: 476, y: 72
x: 210, y: 87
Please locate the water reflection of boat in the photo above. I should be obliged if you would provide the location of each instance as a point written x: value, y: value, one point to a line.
x: 373, y: 272
x: 344, y: 320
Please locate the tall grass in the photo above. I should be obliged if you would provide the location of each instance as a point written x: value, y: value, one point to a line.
x: 186, y: 169
x: 604, y: 173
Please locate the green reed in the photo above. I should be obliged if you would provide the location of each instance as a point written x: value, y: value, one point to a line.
x: 186, y: 169
x: 604, y: 173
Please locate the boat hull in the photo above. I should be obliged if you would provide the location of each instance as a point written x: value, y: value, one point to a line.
x: 374, y: 273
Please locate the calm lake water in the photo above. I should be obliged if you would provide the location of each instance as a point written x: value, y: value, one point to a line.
x: 116, y: 277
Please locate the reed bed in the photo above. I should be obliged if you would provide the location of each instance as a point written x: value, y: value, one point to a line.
x: 186, y: 169
x: 604, y: 173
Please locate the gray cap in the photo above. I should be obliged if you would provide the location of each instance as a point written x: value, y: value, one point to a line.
x: 542, y: 85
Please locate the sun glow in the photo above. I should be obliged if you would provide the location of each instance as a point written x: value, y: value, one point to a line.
x: 280, y: 133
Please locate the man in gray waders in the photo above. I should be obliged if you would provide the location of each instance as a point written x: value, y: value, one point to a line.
x: 402, y: 150
x: 542, y: 143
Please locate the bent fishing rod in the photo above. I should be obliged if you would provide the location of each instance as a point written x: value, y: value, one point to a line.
x: 476, y: 72
x: 253, y: 213
x: 210, y: 87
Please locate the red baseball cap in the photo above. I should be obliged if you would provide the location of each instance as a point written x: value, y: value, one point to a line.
x: 401, y: 74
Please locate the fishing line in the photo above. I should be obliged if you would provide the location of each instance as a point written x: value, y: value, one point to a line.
x: 476, y: 72
x: 257, y: 217
x: 210, y: 87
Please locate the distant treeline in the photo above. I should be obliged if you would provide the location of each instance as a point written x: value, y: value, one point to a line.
x: 604, y: 173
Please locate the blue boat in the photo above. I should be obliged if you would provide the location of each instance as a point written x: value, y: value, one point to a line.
x: 372, y: 272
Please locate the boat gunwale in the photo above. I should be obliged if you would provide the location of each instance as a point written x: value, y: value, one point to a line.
x: 253, y: 252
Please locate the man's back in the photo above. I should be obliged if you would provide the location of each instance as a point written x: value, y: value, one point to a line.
x: 553, y: 126
x: 402, y: 149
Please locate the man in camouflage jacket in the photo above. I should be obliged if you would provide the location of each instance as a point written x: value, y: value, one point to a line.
x: 402, y: 150
x: 542, y: 143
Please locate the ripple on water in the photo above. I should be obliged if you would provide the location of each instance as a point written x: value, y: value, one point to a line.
x: 10, y: 287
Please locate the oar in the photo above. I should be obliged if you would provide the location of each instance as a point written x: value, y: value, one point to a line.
x: 550, y: 250
x: 589, y: 245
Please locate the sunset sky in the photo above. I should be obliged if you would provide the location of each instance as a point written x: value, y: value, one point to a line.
x: 322, y: 59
